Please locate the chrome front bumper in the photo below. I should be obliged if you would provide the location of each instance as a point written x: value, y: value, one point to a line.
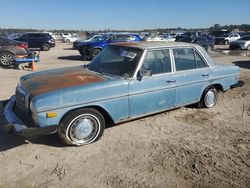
x: 15, y: 125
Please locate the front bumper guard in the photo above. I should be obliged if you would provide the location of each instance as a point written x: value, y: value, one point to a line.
x: 15, y: 125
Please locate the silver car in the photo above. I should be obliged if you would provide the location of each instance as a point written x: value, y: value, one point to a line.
x: 243, y: 43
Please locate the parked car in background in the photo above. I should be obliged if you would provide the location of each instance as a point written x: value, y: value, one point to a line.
x: 14, y: 35
x: 160, y: 38
x: 243, y: 43
x: 124, y: 82
x: 10, y: 49
x: 77, y: 43
x: 69, y: 38
x: 43, y: 41
x: 91, y: 48
x: 233, y: 37
x: 202, y: 41
x: 219, y: 36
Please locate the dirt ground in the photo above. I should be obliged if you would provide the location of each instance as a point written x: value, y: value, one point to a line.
x: 186, y: 147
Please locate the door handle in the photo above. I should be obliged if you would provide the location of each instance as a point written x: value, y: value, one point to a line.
x: 171, y: 81
x: 205, y: 74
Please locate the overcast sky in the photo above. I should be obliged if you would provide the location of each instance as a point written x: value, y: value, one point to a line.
x: 121, y: 14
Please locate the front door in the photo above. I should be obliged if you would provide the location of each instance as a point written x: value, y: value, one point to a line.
x: 154, y: 93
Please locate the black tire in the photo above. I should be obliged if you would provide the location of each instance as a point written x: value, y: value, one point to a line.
x: 67, y: 41
x: 226, y: 42
x: 209, y: 98
x: 45, y: 47
x: 248, y: 47
x: 7, y: 59
x: 95, y: 52
x: 209, y: 48
x: 81, y: 127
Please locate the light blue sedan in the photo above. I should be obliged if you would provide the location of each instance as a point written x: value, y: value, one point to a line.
x: 124, y: 82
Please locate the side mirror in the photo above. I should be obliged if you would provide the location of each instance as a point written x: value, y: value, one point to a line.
x: 144, y: 72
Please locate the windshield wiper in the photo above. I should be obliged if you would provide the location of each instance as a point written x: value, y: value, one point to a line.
x: 95, y: 69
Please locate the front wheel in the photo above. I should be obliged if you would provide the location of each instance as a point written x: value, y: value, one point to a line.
x: 95, y: 52
x: 81, y: 127
x: 209, y: 48
x: 46, y: 47
x: 248, y: 48
x: 209, y: 98
x: 226, y: 42
x: 6, y: 59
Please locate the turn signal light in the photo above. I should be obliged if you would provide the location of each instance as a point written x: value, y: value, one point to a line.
x: 51, y: 114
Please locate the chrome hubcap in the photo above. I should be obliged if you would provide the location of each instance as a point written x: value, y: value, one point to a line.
x: 6, y: 59
x: 210, y: 98
x: 84, y: 128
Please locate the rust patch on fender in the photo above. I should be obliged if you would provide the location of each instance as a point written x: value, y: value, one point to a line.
x: 58, y: 79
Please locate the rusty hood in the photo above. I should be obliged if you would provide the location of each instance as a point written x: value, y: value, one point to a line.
x: 47, y: 81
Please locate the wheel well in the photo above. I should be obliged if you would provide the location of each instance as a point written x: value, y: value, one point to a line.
x: 218, y: 87
x: 108, y: 119
x: 99, y: 48
x: 7, y: 52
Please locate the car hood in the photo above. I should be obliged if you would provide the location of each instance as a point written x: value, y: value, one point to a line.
x: 48, y: 81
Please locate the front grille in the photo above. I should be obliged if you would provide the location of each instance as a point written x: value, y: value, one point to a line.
x: 24, y: 116
x: 22, y: 100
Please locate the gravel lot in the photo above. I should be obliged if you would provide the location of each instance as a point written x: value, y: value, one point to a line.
x: 186, y: 147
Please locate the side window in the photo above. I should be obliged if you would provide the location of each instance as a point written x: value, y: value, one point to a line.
x: 27, y: 36
x: 184, y: 59
x: 199, y: 61
x: 157, y: 61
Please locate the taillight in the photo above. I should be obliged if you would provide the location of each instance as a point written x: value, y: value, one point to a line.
x: 23, y: 45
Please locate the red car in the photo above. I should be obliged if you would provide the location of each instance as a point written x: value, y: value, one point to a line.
x: 10, y: 50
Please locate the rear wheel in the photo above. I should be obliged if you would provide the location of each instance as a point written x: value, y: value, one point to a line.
x: 81, y: 127
x: 6, y: 59
x: 209, y: 48
x: 209, y: 98
x: 46, y: 47
x: 95, y: 52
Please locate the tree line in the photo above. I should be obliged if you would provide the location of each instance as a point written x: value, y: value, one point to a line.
x: 215, y: 27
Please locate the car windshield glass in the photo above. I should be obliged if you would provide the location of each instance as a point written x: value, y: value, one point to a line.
x: 103, y: 37
x: 245, y: 38
x: 6, y: 40
x: 97, y: 38
x: 117, y: 61
x: 185, y: 39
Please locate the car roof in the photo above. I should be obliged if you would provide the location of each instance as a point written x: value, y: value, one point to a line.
x: 153, y: 44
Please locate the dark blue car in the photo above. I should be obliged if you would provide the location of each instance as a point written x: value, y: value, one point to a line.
x: 91, y: 48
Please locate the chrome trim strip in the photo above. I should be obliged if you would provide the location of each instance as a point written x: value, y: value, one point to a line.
x: 131, y: 94
x: 154, y: 113
x: 8, y: 113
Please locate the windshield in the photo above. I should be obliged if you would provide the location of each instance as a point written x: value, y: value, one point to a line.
x: 117, y: 61
x: 96, y: 38
x: 245, y: 38
x: 185, y: 39
x: 104, y: 37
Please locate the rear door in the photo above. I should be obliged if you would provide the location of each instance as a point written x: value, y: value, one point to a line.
x: 192, y: 75
x: 29, y: 39
x: 155, y: 93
